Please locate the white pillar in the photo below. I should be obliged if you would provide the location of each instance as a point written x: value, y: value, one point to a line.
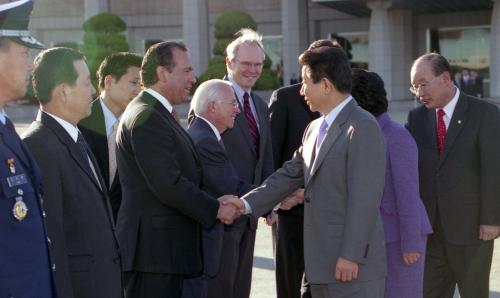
x: 196, y: 34
x: 93, y: 7
x: 494, y: 50
x: 401, y: 45
x: 379, y: 50
x: 295, y: 30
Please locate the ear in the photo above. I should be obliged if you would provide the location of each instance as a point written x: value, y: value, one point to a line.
x: 326, y: 85
x: 228, y: 62
x: 160, y: 73
x: 446, y: 76
x: 107, y: 81
x: 211, y: 106
x: 60, y: 92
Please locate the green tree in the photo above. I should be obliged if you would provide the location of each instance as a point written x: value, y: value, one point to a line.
x: 104, y: 35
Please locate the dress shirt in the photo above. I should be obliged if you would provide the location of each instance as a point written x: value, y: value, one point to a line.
x: 449, y: 108
x: 160, y: 98
x: 239, y: 94
x: 68, y: 127
x: 109, y: 117
x: 216, y: 132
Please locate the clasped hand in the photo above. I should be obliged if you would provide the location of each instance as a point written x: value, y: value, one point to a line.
x: 297, y: 197
x: 230, y: 208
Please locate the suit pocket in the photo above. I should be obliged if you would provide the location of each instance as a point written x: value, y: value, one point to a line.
x: 80, y: 263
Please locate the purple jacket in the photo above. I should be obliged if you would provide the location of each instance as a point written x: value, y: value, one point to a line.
x: 403, y: 213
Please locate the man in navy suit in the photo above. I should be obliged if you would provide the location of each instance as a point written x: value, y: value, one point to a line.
x: 215, y: 107
x: 24, y: 248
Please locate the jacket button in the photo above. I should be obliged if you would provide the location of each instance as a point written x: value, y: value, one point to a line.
x: 307, y: 199
x: 54, y: 267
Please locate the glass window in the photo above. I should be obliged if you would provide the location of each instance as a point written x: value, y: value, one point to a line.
x: 359, y: 48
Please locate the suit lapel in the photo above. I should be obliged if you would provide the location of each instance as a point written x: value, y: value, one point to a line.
x: 456, y: 123
x: 99, y: 139
x: 73, y: 149
x: 334, y: 132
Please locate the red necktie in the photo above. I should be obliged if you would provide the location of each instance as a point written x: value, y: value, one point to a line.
x: 441, y: 131
x: 252, y: 125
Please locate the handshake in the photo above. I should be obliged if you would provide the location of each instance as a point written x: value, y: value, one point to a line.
x: 231, y: 207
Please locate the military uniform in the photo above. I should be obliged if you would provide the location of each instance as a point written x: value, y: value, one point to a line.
x: 24, y: 263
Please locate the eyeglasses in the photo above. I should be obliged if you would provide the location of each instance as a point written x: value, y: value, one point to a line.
x: 414, y: 89
x: 234, y: 103
x: 250, y: 64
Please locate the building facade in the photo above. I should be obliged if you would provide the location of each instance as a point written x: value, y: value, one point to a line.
x: 386, y: 36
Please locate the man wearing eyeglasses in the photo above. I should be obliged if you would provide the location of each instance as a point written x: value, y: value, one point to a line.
x: 248, y: 148
x: 458, y: 141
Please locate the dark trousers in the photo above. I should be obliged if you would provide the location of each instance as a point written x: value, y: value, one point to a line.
x: 234, y: 278
x: 448, y: 265
x: 153, y: 285
x: 289, y: 255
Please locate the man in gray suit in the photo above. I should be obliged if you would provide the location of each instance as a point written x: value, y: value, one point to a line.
x: 341, y: 164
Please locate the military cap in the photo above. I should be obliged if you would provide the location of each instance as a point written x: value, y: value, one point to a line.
x: 14, y: 21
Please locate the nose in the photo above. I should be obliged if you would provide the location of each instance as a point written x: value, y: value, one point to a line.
x: 192, y: 79
x: 236, y: 109
x: 93, y: 89
x: 302, y: 90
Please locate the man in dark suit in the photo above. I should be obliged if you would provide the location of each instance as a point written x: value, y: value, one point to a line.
x: 215, y: 107
x: 458, y: 142
x: 24, y: 247
x: 248, y: 148
x: 80, y: 222
x: 119, y: 83
x: 163, y: 207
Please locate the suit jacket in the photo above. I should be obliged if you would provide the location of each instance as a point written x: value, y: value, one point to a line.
x: 219, y: 178
x: 163, y: 207
x: 252, y: 167
x: 461, y: 188
x: 80, y: 222
x: 93, y: 129
x: 289, y: 116
x: 403, y: 213
x: 343, y: 184
x: 24, y: 248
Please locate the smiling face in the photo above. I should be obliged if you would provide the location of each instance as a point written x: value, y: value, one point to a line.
x: 181, y: 79
x: 16, y: 68
x: 225, y: 109
x: 246, y: 67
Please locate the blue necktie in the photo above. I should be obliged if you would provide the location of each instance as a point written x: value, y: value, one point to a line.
x: 323, y: 129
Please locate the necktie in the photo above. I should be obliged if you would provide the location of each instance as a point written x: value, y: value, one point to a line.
x: 175, y: 115
x: 84, y: 148
x: 252, y: 124
x: 323, y: 129
x: 441, y: 131
x: 112, y: 152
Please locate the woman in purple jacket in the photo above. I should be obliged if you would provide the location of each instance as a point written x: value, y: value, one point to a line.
x: 405, y: 220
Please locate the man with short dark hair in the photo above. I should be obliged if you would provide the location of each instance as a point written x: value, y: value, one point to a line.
x: 24, y: 248
x: 119, y: 83
x: 80, y: 222
x: 341, y: 165
x: 163, y: 207
x: 289, y: 116
x: 458, y: 143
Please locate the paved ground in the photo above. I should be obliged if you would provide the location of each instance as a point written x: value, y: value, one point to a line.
x: 263, y: 282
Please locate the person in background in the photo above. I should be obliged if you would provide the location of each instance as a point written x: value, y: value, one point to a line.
x: 404, y: 218
x: 119, y: 82
x: 458, y: 145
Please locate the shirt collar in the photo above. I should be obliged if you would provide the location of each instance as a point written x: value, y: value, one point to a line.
x: 3, y: 116
x: 109, y: 117
x: 449, y: 108
x: 238, y: 90
x: 68, y: 127
x: 160, y: 98
x: 216, y: 132
x: 335, y: 112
